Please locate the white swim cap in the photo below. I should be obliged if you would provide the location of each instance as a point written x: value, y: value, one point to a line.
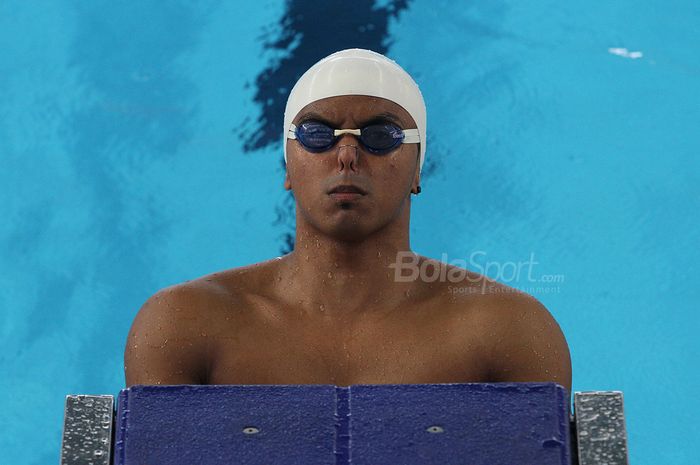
x: 356, y: 71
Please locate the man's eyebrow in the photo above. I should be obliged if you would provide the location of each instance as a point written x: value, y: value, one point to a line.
x: 313, y: 115
x: 385, y: 115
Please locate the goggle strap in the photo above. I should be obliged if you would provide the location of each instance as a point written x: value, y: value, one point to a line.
x: 411, y: 136
x: 292, y: 133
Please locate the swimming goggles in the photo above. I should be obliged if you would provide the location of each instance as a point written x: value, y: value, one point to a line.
x: 378, y: 139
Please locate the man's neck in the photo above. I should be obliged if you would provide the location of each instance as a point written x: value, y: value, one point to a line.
x: 342, y: 279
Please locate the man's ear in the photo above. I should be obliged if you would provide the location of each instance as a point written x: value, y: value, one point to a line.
x: 416, y: 184
x: 287, y: 181
x: 416, y: 179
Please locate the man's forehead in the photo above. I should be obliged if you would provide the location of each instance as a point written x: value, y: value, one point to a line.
x: 361, y: 106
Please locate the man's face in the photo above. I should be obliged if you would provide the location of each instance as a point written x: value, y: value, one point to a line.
x: 387, y: 179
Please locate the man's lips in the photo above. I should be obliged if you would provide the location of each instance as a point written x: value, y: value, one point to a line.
x: 350, y: 188
x: 346, y: 192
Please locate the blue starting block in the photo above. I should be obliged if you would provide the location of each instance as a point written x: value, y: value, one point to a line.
x: 383, y: 424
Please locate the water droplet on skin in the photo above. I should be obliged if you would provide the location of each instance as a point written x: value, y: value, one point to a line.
x: 330, y: 275
x: 322, y: 308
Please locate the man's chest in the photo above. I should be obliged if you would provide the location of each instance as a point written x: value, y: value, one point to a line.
x: 402, y: 349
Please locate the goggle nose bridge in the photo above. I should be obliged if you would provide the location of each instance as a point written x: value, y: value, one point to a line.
x: 338, y: 132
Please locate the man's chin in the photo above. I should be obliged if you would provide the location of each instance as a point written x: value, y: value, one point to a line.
x: 350, y: 231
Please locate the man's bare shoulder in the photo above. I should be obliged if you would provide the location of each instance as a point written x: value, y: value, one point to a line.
x: 165, y: 344
x: 516, y: 333
x: 527, y: 343
x: 221, y: 291
x: 253, y: 278
x: 480, y: 294
x: 530, y: 344
x: 170, y: 338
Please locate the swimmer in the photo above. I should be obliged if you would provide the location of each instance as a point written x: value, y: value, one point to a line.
x: 333, y: 311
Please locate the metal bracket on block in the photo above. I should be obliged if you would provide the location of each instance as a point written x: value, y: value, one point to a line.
x: 597, y: 427
x: 600, y: 428
x: 88, y: 430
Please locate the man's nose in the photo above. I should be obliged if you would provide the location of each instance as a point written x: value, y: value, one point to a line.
x: 348, y: 153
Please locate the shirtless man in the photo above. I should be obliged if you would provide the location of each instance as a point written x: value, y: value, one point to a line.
x: 333, y: 311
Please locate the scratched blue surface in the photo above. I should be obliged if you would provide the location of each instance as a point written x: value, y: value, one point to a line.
x: 246, y: 425
x: 139, y: 147
x: 455, y: 424
x: 478, y: 424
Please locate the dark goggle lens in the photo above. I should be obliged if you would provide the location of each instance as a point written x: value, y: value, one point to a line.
x: 316, y: 137
x: 377, y: 138
x: 381, y: 137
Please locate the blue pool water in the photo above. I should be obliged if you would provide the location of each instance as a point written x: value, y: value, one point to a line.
x: 140, y: 147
